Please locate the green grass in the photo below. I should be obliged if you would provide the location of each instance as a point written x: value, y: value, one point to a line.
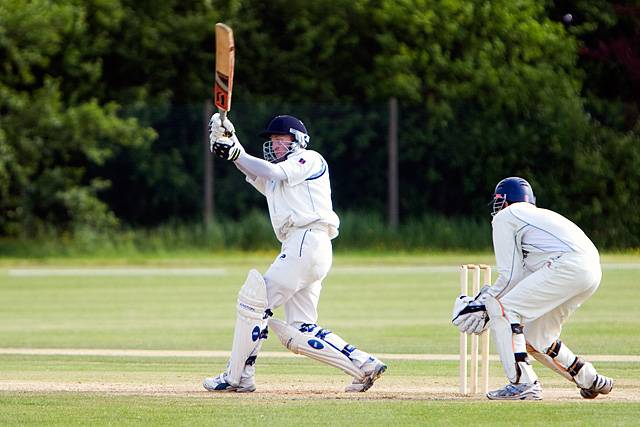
x: 73, y: 409
x: 377, y: 308
x: 386, y: 311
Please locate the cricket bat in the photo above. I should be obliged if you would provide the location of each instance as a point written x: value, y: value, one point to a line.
x: 225, y: 61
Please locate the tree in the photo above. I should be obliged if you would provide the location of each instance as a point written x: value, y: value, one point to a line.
x: 50, y: 133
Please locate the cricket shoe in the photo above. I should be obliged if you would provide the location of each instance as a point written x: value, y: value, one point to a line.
x: 527, y: 391
x: 220, y: 383
x: 601, y: 385
x: 373, y: 369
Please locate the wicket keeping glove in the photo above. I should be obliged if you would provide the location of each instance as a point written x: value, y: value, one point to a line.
x: 469, y: 315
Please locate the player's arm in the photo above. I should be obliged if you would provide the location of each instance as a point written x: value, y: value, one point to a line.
x: 248, y: 174
x: 508, y: 261
x: 259, y: 167
x: 229, y: 148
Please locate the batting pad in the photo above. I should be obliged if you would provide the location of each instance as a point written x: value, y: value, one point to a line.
x: 310, y: 345
x: 250, y: 322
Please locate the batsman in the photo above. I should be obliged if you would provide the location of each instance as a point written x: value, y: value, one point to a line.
x: 547, y: 267
x: 295, y: 182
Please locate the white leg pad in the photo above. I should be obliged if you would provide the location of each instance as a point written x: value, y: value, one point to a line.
x: 314, y: 346
x: 356, y: 355
x: 251, y: 321
x: 508, y: 344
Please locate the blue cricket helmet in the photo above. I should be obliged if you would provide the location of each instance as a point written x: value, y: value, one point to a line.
x: 512, y: 190
x: 284, y: 125
x: 287, y: 125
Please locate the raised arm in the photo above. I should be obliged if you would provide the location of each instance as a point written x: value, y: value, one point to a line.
x: 245, y: 172
x: 225, y: 145
x: 258, y: 167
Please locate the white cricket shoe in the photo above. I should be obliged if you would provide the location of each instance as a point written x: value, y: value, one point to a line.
x: 373, y: 370
x: 219, y: 383
x: 526, y: 391
x: 601, y: 385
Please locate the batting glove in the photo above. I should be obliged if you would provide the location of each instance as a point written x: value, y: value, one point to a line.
x: 226, y: 148
x: 218, y: 129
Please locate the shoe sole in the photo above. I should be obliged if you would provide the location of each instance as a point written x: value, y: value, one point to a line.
x: 372, y: 378
x: 515, y: 398
x: 527, y: 396
x: 231, y: 389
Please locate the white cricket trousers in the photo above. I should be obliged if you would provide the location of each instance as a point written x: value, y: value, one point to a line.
x: 295, y: 276
x: 543, y: 300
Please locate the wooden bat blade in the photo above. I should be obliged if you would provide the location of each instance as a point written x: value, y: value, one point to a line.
x: 225, y: 62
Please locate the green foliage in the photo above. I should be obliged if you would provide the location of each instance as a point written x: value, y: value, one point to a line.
x: 102, y: 109
x: 427, y: 232
x: 52, y: 134
x: 487, y: 90
x: 609, y: 183
x: 251, y: 232
x: 610, y: 56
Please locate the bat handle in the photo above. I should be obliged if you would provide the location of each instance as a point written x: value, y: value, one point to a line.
x: 223, y: 116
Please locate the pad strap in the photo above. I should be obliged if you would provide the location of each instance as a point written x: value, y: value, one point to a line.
x: 554, y: 349
x: 575, y: 367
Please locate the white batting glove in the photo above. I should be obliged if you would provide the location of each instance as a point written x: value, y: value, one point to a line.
x: 228, y: 125
x: 222, y: 139
x: 218, y: 129
x: 226, y: 148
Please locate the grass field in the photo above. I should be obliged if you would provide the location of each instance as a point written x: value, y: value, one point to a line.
x: 397, y: 305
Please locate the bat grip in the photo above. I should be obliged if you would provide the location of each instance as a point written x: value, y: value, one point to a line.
x: 223, y: 116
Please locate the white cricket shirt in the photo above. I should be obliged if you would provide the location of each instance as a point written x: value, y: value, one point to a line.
x: 303, y: 199
x: 525, y: 237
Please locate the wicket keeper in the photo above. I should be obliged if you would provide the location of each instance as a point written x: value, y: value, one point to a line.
x: 547, y: 267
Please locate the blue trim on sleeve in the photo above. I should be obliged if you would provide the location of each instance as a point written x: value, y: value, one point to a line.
x: 318, y: 174
x: 545, y: 231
